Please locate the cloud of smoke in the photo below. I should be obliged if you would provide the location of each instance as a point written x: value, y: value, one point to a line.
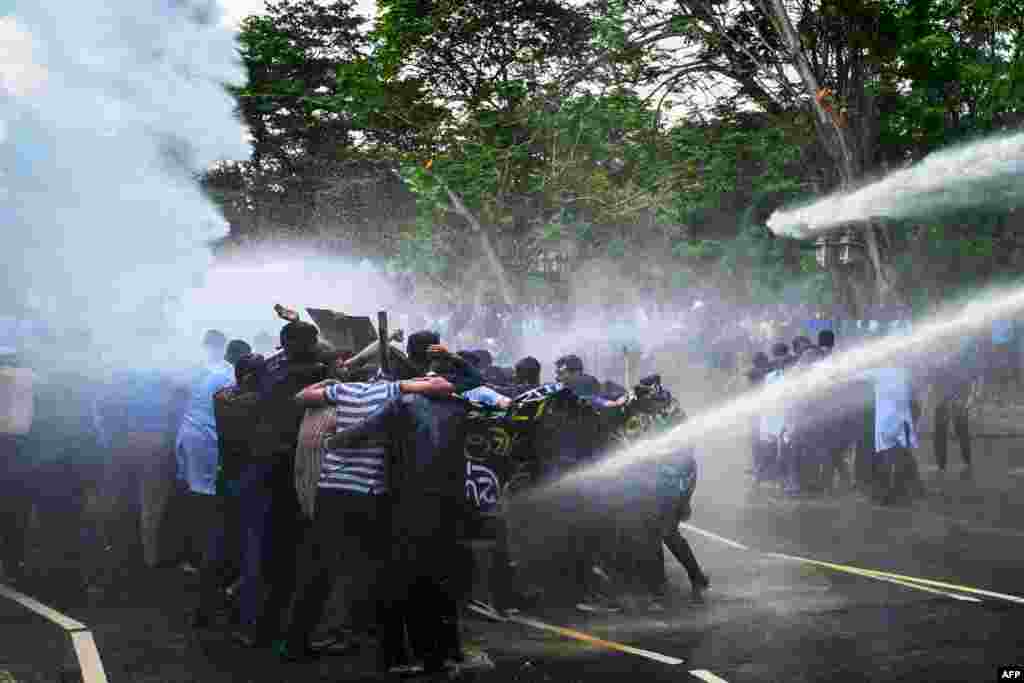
x: 108, y: 110
x: 237, y: 294
x: 985, y: 173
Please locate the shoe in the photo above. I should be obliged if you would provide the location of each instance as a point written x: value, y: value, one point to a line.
x: 333, y: 646
x: 290, y: 655
x: 700, y: 586
x: 471, y: 659
x: 245, y: 638
x: 201, y: 619
x: 598, y: 604
x: 656, y: 603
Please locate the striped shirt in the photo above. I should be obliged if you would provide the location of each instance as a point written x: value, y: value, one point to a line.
x: 361, y: 469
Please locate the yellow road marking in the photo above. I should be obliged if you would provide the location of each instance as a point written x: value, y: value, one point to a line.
x: 874, y: 575
x: 950, y: 586
x: 594, y: 640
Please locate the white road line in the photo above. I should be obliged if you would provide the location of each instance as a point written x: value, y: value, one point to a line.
x: 594, y: 640
x: 487, y: 614
x: 924, y: 585
x: 707, y: 676
x: 64, y: 621
x: 85, y: 647
x: 88, y: 657
x: 1017, y: 472
x: 720, y: 539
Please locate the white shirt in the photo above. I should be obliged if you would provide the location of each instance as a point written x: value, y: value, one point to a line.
x: 893, y: 415
x: 486, y: 395
x: 196, y: 445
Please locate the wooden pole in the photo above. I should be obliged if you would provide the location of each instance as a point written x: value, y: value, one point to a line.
x: 382, y: 337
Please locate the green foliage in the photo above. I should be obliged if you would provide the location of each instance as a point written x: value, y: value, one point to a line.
x: 529, y: 111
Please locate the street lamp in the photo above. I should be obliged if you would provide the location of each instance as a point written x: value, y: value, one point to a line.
x: 851, y: 248
x: 825, y: 252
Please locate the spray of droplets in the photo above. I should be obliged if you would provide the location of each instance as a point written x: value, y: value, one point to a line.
x: 987, y: 173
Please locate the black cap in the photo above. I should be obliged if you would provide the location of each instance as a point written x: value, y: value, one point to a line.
x: 528, y: 364
x: 418, y: 342
x: 299, y: 336
x: 826, y: 339
x: 235, y: 350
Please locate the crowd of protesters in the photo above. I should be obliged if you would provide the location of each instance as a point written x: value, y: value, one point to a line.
x: 860, y: 432
x: 200, y: 472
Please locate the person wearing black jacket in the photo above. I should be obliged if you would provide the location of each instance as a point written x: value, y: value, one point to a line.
x: 268, y: 503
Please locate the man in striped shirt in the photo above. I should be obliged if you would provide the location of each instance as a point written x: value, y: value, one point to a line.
x: 352, y: 498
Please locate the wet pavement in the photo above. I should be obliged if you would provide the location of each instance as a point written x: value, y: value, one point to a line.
x: 766, y: 618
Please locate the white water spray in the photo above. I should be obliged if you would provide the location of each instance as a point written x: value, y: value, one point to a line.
x: 985, y: 173
x: 904, y: 349
x: 110, y: 108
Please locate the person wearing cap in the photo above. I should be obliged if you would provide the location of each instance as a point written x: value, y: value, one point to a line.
x: 569, y: 371
x: 268, y: 502
x: 235, y: 411
x: 527, y: 373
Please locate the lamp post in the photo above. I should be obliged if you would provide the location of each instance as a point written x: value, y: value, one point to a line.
x: 825, y: 252
x: 851, y: 248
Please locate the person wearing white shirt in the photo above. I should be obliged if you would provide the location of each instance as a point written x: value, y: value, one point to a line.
x: 896, y: 473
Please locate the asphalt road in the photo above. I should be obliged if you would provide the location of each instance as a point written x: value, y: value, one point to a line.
x: 767, y: 618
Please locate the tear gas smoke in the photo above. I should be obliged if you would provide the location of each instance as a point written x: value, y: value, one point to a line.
x: 984, y: 173
x: 110, y: 108
x: 236, y: 295
x: 907, y: 348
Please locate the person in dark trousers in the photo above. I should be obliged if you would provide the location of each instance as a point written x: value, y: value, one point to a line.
x: 953, y: 380
x: 763, y: 454
x: 268, y: 502
x: 420, y: 592
x: 677, y: 480
x: 235, y: 411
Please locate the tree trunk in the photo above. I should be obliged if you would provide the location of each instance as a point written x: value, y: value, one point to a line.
x: 834, y: 138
